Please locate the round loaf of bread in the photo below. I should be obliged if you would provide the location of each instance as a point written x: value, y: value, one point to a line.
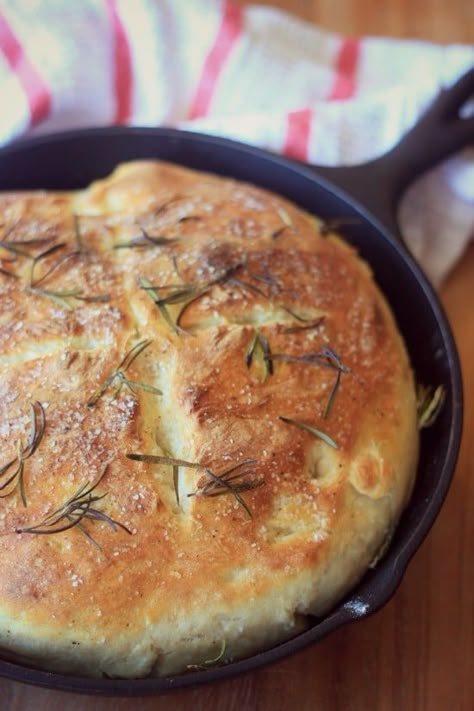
x: 208, y: 423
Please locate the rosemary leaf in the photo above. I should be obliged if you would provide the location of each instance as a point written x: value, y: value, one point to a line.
x: 312, y: 430
x: 209, y: 662
x: 265, y: 346
x: 99, y: 299
x: 429, y: 402
x: 7, y: 466
x: 179, y: 294
x: 59, y: 297
x: 250, y: 349
x: 142, y: 386
x: 38, y: 420
x: 159, y: 459
x: 15, y: 477
x: 174, y: 259
x: 306, y: 359
x: 260, y: 341
x: 145, y: 240
x: 176, y: 482
x: 188, y: 303
x: 65, y: 258
x: 37, y: 428
x: 278, y: 232
x: 101, y: 391
x: 33, y: 242
x: 293, y: 314
x: 167, y: 203
x: 133, y: 353
x: 189, y: 218
x: 332, y: 395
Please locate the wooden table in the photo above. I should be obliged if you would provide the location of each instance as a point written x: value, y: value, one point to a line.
x: 417, y: 654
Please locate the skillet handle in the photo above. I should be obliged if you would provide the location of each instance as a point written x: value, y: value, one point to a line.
x: 440, y: 132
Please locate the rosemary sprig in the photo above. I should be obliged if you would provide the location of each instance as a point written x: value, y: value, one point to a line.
x: 312, y: 430
x: 429, y: 404
x: 146, y: 240
x: 204, y: 289
x: 220, y: 484
x: 154, y: 294
x: 38, y: 424
x: 209, y: 662
x: 245, y: 285
x: 231, y: 481
x: 326, y: 358
x: 188, y: 293
x: 59, y: 297
x: 119, y: 375
x: 260, y: 341
x: 76, y: 509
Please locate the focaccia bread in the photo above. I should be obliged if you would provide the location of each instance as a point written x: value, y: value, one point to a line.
x: 208, y: 422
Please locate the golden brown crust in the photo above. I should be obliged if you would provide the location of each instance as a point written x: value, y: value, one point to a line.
x: 192, y: 574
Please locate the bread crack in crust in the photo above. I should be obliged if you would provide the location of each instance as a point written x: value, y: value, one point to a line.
x: 229, y: 428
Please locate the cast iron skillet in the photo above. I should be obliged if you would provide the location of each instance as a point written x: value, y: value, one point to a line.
x: 368, y: 193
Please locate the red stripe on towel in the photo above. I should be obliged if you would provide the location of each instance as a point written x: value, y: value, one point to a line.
x: 298, y: 131
x: 122, y: 65
x: 229, y: 31
x: 347, y: 61
x: 37, y: 91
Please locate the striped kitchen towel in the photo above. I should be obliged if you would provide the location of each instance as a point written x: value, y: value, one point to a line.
x: 253, y: 73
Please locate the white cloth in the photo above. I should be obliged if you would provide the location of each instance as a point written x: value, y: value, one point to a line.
x: 255, y: 74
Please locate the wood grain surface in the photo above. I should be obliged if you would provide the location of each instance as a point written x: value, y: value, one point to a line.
x: 417, y: 654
